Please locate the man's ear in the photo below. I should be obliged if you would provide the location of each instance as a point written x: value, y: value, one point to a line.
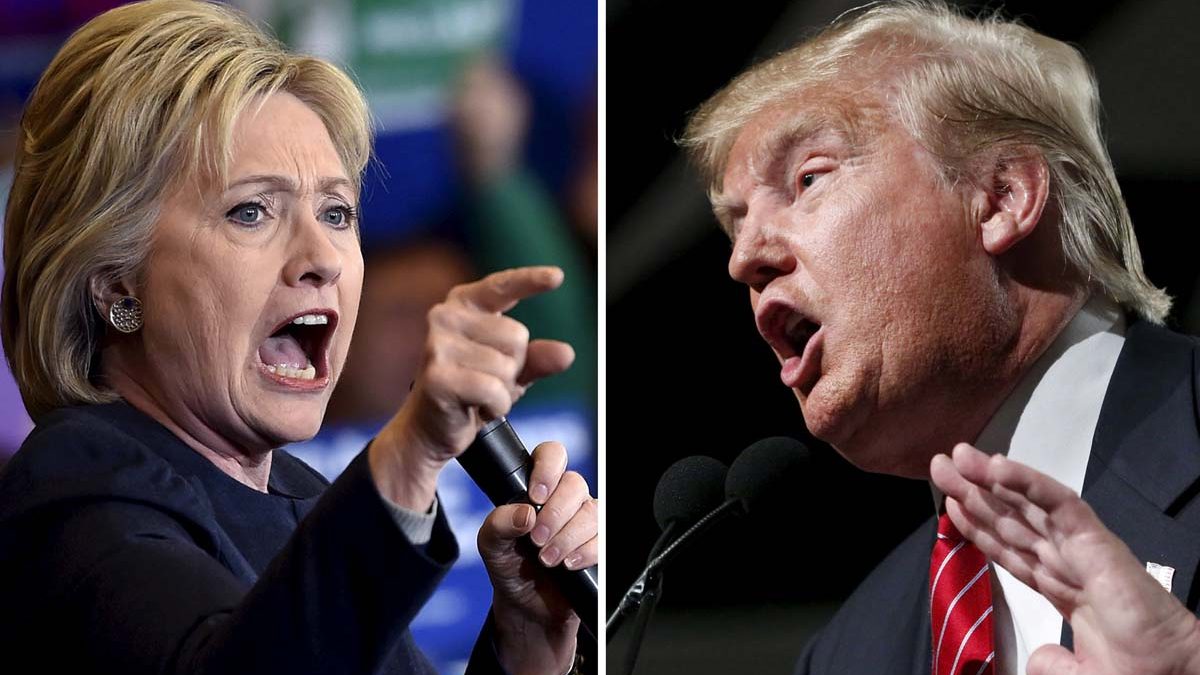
x: 1018, y: 185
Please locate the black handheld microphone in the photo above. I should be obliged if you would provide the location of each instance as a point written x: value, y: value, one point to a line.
x: 500, y: 465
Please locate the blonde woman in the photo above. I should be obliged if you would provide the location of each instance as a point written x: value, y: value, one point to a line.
x: 182, y: 276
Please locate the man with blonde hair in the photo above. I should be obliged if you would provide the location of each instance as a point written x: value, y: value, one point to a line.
x: 938, y: 252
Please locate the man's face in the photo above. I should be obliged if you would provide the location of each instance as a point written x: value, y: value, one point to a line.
x: 867, y: 279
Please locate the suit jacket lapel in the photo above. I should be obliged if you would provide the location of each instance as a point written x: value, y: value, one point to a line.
x: 1145, y: 458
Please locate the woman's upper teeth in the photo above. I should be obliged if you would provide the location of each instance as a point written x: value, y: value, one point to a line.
x: 311, y: 319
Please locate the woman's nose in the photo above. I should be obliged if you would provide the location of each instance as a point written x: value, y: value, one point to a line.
x: 313, y: 258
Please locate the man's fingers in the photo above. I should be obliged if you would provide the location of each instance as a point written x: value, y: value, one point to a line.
x: 1020, y: 563
x: 1052, y: 660
x: 985, y: 509
x: 946, y: 477
x: 500, y: 291
x: 980, y: 469
x: 1037, y: 519
x: 1051, y: 580
x: 1061, y: 591
x: 990, y: 539
x: 1047, y: 493
x: 1025, y: 490
x: 972, y: 463
x: 1009, y: 524
x: 544, y: 358
x: 998, y: 522
x: 1050, y: 507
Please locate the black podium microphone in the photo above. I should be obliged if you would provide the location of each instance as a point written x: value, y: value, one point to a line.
x: 688, y: 489
x: 500, y: 465
x: 756, y: 477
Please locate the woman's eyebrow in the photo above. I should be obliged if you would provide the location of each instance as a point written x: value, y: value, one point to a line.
x: 288, y: 184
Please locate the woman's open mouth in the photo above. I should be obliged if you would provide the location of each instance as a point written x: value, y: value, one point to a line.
x: 297, y: 353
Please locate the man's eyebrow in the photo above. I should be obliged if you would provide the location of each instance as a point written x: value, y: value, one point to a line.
x: 285, y: 183
x: 727, y: 209
x: 783, y: 137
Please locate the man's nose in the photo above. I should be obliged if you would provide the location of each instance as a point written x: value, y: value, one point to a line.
x: 760, y: 254
x: 313, y: 258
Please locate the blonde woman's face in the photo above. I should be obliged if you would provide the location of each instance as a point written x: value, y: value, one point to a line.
x: 252, y: 288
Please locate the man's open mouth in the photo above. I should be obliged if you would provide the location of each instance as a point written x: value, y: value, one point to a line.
x: 299, y: 347
x: 786, y: 329
x: 797, y: 332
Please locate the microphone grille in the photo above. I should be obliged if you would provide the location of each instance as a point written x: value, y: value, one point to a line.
x: 765, y: 467
x: 688, y: 489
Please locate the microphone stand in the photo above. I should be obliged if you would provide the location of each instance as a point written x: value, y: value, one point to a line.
x: 650, y: 595
x: 645, y: 593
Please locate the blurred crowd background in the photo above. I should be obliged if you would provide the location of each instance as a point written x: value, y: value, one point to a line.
x: 695, y: 378
x: 486, y: 159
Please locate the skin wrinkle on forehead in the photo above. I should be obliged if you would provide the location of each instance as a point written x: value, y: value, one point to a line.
x: 325, y: 185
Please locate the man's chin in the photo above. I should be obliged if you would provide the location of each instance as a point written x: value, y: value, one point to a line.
x: 884, y: 462
x: 869, y: 447
x: 885, y: 453
x: 826, y: 422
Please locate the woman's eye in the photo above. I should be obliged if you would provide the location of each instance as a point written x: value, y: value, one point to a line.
x: 339, y: 216
x: 246, y: 214
x: 808, y: 179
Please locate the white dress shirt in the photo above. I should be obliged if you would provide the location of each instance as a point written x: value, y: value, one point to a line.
x: 1048, y: 423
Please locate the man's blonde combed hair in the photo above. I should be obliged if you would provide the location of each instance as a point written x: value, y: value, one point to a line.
x: 138, y: 99
x: 965, y: 88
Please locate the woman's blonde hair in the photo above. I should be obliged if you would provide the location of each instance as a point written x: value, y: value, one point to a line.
x: 961, y: 87
x: 138, y: 99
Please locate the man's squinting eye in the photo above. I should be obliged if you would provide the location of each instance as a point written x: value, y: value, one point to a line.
x: 808, y: 179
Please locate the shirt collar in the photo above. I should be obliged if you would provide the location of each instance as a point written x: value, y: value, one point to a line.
x: 1049, y: 419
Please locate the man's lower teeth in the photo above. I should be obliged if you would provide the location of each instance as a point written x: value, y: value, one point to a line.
x: 308, y: 373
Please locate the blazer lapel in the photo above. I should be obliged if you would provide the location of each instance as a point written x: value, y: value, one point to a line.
x: 1145, y: 458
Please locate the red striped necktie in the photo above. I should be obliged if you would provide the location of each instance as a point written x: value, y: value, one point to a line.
x: 960, y: 592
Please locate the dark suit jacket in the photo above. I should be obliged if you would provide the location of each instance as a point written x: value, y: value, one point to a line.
x: 1142, y: 480
x: 124, y: 551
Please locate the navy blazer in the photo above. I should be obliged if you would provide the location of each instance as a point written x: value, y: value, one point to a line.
x: 1142, y: 480
x: 122, y: 550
